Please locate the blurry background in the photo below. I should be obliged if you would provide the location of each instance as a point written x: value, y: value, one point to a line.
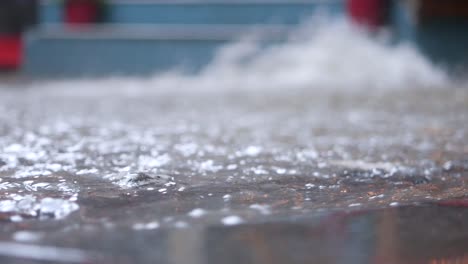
x: 267, y: 143
x: 74, y: 38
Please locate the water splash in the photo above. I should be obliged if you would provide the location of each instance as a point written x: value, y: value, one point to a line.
x: 319, y: 55
x: 32, y: 207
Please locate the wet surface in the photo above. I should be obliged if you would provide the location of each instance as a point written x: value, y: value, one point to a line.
x: 414, y: 234
x: 234, y: 176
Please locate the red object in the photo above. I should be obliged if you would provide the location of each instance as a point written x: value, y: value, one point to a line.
x: 455, y: 202
x: 11, y: 51
x: 81, y: 11
x: 367, y: 12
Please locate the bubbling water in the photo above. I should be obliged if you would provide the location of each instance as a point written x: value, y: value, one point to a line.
x: 316, y: 56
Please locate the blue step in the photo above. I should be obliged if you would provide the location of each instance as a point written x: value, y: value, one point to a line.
x: 204, y: 12
x: 103, y: 57
x: 131, y: 50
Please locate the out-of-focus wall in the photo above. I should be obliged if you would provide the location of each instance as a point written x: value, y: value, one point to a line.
x: 144, y: 36
x: 438, y: 28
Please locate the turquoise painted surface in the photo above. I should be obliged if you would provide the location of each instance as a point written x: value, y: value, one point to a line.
x: 50, y: 13
x: 62, y: 56
x: 442, y: 40
x: 209, y: 13
x: 401, y: 22
x: 218, y: 13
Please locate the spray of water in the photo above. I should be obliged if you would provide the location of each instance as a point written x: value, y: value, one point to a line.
x: 333, y: 55
x: 317, y: 55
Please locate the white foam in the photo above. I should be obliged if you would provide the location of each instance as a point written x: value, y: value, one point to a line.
x: 232, y: 220
x: 146, y: 226
x: 262, y: 208
x: 332, y: 55
x: 197, y: 213
x: 43, y: 208
x: 44, y: 253
x: 27, y: 236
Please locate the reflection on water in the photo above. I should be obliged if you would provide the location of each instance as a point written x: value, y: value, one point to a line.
x: 425, y: 234
x: 457, y: 260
